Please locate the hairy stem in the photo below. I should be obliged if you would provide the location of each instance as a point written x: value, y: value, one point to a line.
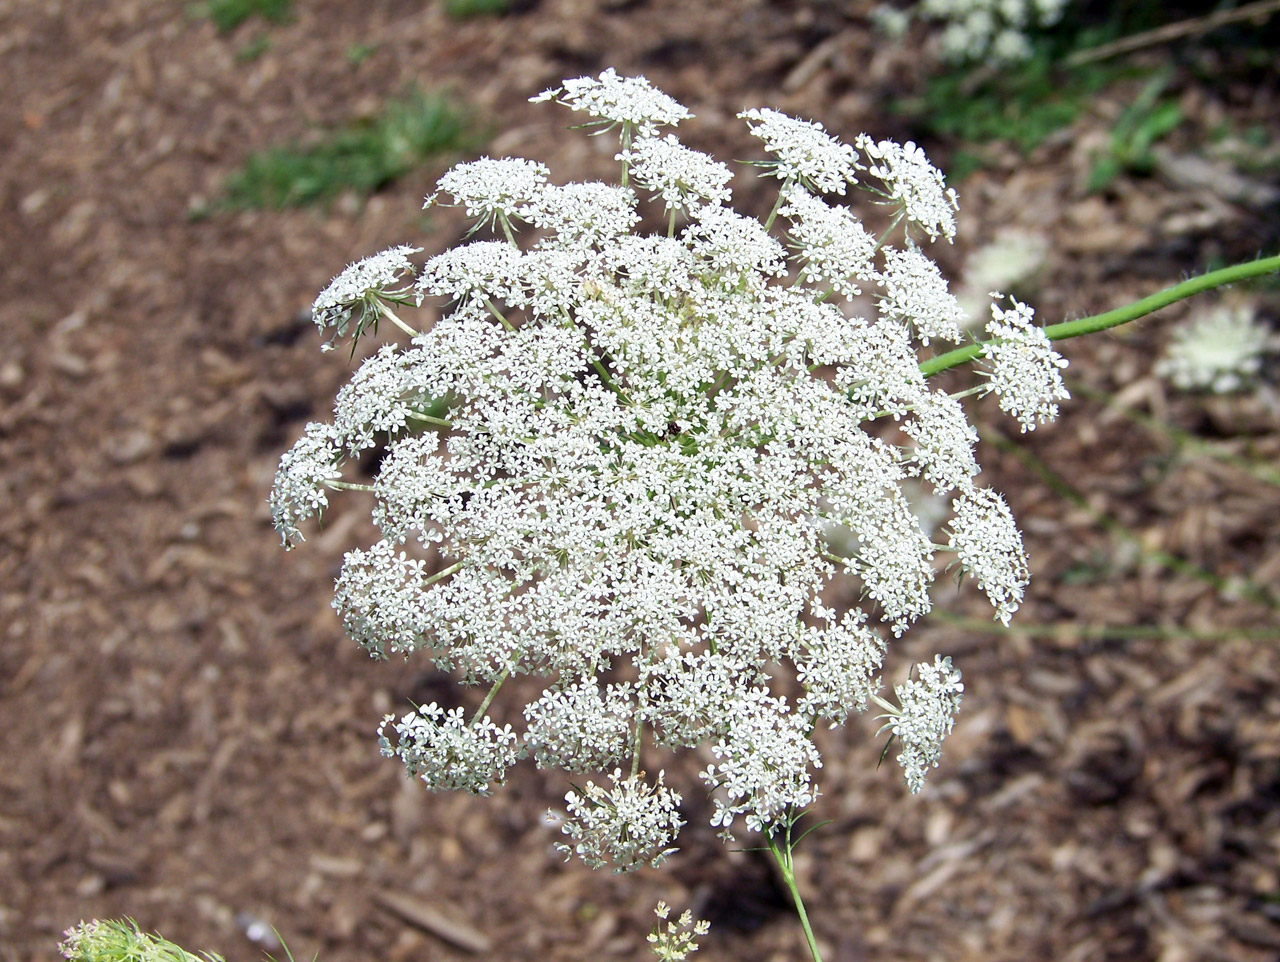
x: 1121, y: 315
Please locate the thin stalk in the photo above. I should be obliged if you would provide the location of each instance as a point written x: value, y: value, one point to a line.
x: 782, y: 855
x: 390, y: 315
x: 488, y: 699
x: 493, y: 309
x: 888, y: 231
x: 1121, y: 315
x: 442, y: 574
x: 777, y: 204
x: 429, y: 419
x: 348, y: 486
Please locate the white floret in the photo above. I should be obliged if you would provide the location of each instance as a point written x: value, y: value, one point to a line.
x: 627, y: 824
x: 611, y: 99
x: 676, y: 173
x: 1025, y: 372
x: 1219, y: 350
x: 917, y: 293
x: 989, y: 546
x: 300, y: 490
x: 803, y: 151
x: 834, y: 246
x: 927, y: 714
x: 913, y: 184
x: 358, y: 288
x: 491, y: 189
x: 449, y: 753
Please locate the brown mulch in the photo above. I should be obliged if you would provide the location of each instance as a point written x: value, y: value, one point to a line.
x: 186, y: 737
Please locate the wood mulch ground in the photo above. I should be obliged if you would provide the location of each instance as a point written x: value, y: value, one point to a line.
x: 186, y: 737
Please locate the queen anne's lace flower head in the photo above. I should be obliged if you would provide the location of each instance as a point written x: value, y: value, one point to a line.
x: 631, y: 101
x: 989, y: 547
x: 626, y: 825
x: 833, y: 245
x: 300, y: 490
x: 676, y: 173
x: 641, y: 466
x: 913, y: 184
x: 494, y: 190
x: 449, y: 753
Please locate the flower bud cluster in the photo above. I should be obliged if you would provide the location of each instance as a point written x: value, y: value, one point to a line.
x: 634, y: 464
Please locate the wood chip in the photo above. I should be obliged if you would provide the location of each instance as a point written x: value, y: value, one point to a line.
x: 433, y: 920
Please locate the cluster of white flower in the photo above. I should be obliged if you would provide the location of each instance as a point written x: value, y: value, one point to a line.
x: 993, y: 30
x: 448, y: 752
x: 359, y: 292
x: 629, y: 824
x: 676, y: 941
x: 928, y: 709
x: 634, y: 465
x: 1025, y: 371
x: 1220, y: 350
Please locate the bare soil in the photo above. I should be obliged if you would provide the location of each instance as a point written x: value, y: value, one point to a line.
x: 186, y: 737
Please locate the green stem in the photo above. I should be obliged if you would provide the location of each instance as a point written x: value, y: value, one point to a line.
x: 488, y: 699
x: 390, y: 315
x: 429, y: 419
x: 1121, y: 315
x: 777, y: 204
x: 782, y: 855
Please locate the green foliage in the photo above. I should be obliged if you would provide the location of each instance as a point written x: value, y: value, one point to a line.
x: 254, y: 49
x: 361, y: 158
x: 465, y: 9
x: 1138, y: 128
x: 358, y: 53
x: 110, y: 940
x: 1021, y: 104
x: 229, y: 14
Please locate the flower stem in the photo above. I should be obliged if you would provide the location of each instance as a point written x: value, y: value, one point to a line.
x: 782, y: 855
x: 1121, y: 315
x: 390, y: 315
x: 488, y: 699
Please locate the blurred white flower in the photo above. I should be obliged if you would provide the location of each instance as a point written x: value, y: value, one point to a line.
x: 1219, y: 349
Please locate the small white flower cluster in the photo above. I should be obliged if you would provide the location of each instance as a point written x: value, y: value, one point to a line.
x: 928, y: 709
x: 1025, y: 371
x: 359, y: 291
x: 992, y: 30
x: 634, y: 464
x: 676, y: 941
x: 448, y: 752
x: 1218, y: 350
x: 630, y: 824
